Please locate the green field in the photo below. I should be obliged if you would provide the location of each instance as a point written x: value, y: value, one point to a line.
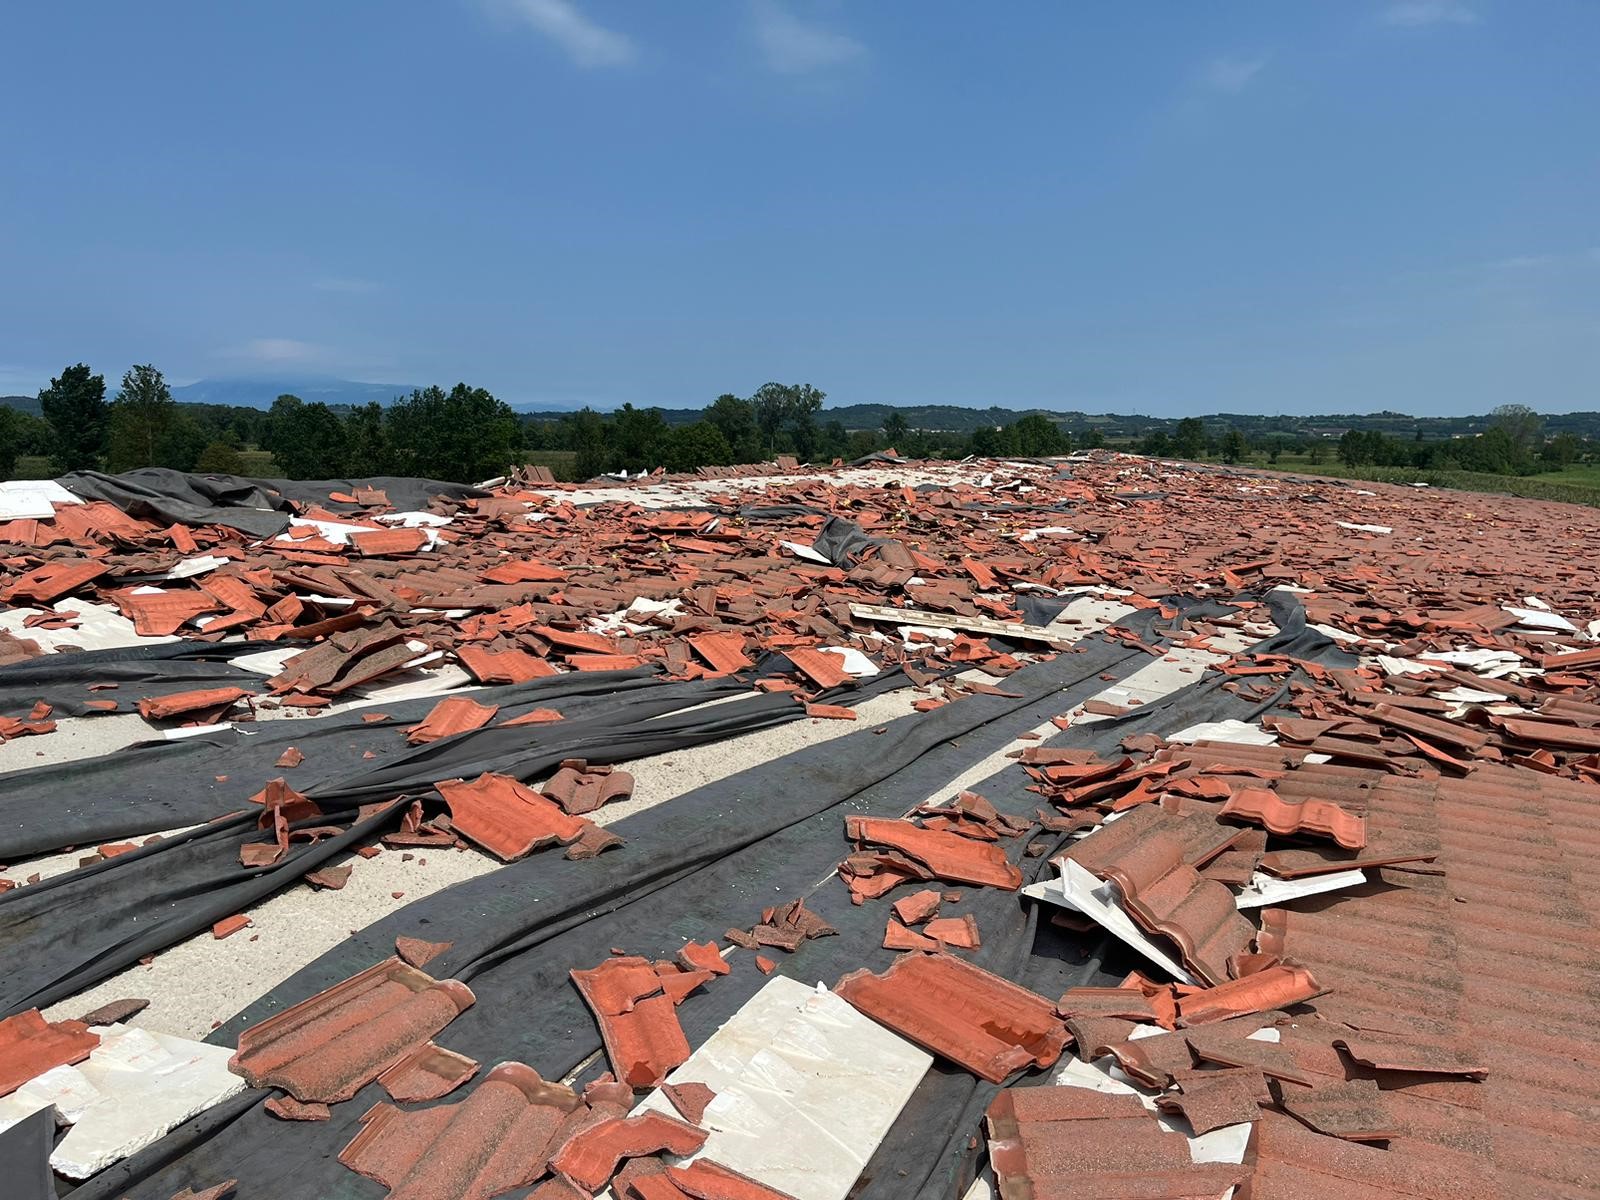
x: 1578, y: 484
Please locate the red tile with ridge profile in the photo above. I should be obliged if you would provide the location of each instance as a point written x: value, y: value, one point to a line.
x: 160, y: 708
x: 724, y: 651
x: 981, y: 1022
x: 823, y: 669
x: 427, y: 1073
x: 30, y: 1045
x: 506, y: 818
x: 380, y: 543
x: 452, y: 715
x: 1264, y: 807
x: 579, y: 788
x: 704, y: 1179
x: 948, y: 855
x: 1277, y: 987
x: 498, y: 1138
x: 50, y: 582
x: 591, y: 1157
x: 329, y: 1047
x: 511, y: 665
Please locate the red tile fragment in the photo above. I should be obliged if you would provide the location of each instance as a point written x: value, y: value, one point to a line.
x: 984, y: 1023
x: 961, y: 932
x: 30, y: 1045
x: 503, y: 666
x: 330, y: 1046
x: 419, y: 953
x: 1277, y: 987
x: 287, y: 1108
x: 690, y: 1099
x: 579, y: 788
x: 229, y: 926
x: 703, y: 956
x: 917, y: 907
x: 765, y: 965
x: 1211, y: 1099
x: 378, y: 543
x: 161, y: 708
x: 642, y: 1036
x: 1352, y: 1109
x: 823, y: 669
x: 221, y: 1191
x: 427, y: 1073
x: 707, y: 1180
x: 291, y: 757
x: 592, y: 1156
x: 831, y: 712
x: 897, y: 937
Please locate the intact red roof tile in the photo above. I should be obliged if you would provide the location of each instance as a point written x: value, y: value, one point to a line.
x: 452, y: 715
x: 506, y: 818
x: 498, y: 1138
x: 1167, y: 896
x: 591, y: 1157
x: 30, y: 1045
x: 949, y: 856
x: 427, y: 1073
x: 637, y: 1022
x: 1069, y: 1142
x: 1291, y: 1161
x: 159, y: 708
x: 1308, y: 816
x: 328, y: 1047
x: 981, y: 1022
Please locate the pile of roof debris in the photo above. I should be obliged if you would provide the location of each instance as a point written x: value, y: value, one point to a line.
x: 1234, y: 841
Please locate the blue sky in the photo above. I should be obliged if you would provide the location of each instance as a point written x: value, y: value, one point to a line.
x: 1164, y: 208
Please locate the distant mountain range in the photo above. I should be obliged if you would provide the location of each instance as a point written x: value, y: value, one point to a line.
x: 260, y: 393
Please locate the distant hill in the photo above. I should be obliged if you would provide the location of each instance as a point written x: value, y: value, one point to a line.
x: 27, y: 404
x: 260, y: 393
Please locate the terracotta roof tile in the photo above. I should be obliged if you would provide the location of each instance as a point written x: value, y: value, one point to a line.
x: 160, y: 708
x: 427, y: 1073
x: 979, y: 1021
x: 642, y: 1036
x: 704, y: 1179
x: 30, y: 1045
x: 452, y: 715
x: 328, y: 1047
x: 506, y: 818
x: 948, y: 856
x: 591, y: 1157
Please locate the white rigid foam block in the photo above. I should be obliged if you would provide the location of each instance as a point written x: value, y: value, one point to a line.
x: 806, y: 1088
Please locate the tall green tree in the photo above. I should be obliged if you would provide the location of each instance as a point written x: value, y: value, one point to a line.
x: 638, y: 437
x: 75, y: 406
x: 366, y: 439
x: 895, y: 427
x: 142, y: 416
x: 1234, y: 447
x: 461, y: 435
x: 787, y: 409
x: 690, y: 447
x: 1036, y: 435
x: 1522, y: 428
x: 585, y: 434
x: 308, y: 441
x: 10, y: 440
x: 1189, y: 438
x: 736, y: 419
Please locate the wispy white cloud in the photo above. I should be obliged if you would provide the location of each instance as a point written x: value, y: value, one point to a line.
x: 344, y: 285
x: 793, y: 47
x: 1232, y: 74
x: 586, y: 42
x: 278, y: 352
x: 1416, y: 14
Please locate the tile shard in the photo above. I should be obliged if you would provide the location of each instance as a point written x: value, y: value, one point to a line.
x: 1277, y: 987
x: 498, y: 1138
x: 977, y: 1020
x: 328, y: 1047
x: 506, y: 818
x: 30, y: 1045
x: 427, y: 1073
x: 707, y: 1180
x: 452, y: 715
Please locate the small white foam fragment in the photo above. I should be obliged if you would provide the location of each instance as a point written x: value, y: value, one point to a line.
x: 1536, y: 618
x: 1365, y: 528
x: 800, y: 550
x: 1264, y: 889
x: 855, y: 662
x: 1033, y: 535
x: 1402, y: 666
x: 806, y: 1088
x: 64, y: 1089
x: 1239, y: 732
x: 147, y: 1083
x: 1466, y: 695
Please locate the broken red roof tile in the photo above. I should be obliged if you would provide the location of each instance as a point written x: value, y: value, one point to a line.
x: 984, y: 1023
x: 1276, y: 987
x: 452, y: 715
x: 949, y: 856
x: 579, y: 788
x: 30, y: 1045
x: 418, y: 953
x: 1352, y: 1109
x: 897, y: 937
x: 1314, y: 816
x: 591, y: 1157
x: 376, y: 543
x: 511, y: 665
x: 1127, y: 1003
x: 642, y: 1036
x: 703, y: 956
x: 160, y: 708
x: 830, y: 712
x: 704, y: 1179
x: 427, y: 1073
x: 287, y: 1108
x: 330, y: 1046
x: 229, y: 926
x: 291, y: 757
x: 724, y: 651
x: 506, y: 818
x: 1211, y: 1099
x: 498, y: 1138
x: 48, y: 583
x: 221, y: 1191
